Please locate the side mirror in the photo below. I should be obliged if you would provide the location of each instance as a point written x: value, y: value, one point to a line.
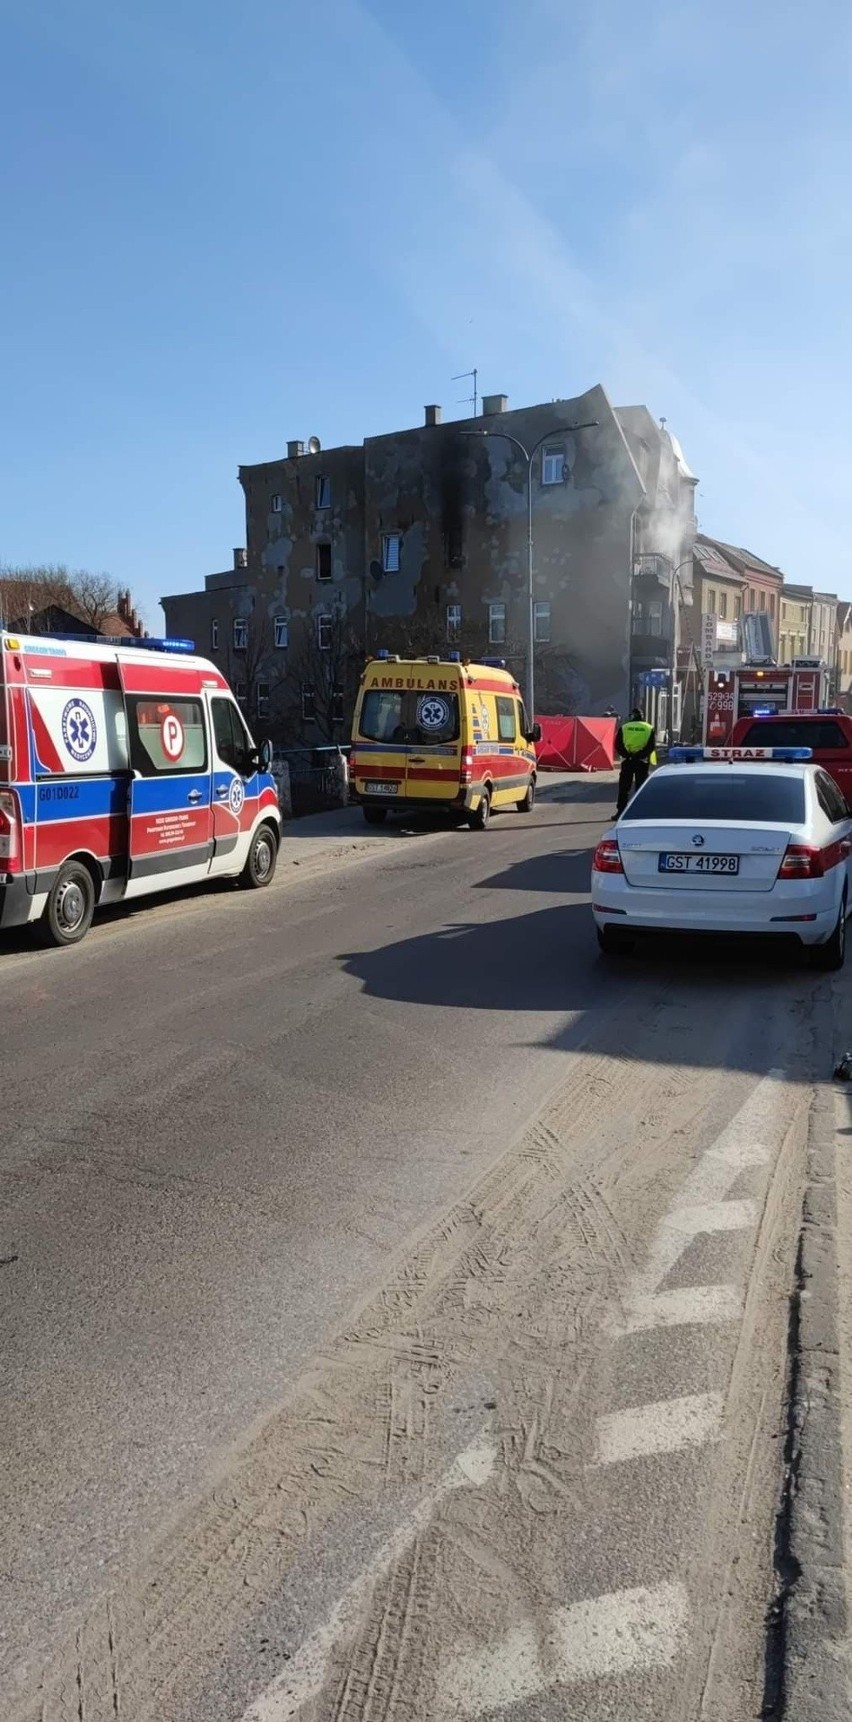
x: 534, y: 734
x: 264, y: 755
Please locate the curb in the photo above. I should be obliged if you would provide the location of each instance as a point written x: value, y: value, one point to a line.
x: 810, y: 1558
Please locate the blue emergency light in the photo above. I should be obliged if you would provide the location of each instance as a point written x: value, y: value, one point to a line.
x: 764, y: 711
x: 454, y: 657
x: 144, y: 645
x: 495, y: 663
x: 737, y: 755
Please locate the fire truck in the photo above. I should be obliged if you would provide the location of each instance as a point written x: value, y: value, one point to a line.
x: 760, y: 689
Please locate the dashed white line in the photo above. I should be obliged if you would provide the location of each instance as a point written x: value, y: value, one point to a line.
x: 680, y: 1307
x: 601, y: 1637
x: 668, y: 1426
x: 303, y: 1677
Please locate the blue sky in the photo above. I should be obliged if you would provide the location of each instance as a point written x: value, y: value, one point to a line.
x: 225, y: 227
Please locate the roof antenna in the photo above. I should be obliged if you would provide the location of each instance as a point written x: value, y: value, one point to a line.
x: 474, y: 398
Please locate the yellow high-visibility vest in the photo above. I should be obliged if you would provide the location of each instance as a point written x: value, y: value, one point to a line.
x: 636, y: 735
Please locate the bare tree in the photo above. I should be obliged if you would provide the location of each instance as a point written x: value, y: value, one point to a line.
x: 37, y: 591
x: 255, y: 667
x: 324, y: 668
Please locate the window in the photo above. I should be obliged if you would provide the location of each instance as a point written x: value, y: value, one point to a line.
x: 240, y: 634
x: 821, y: 734
x: 783, y: 612
x: 391, y: 550
x: 454, y: 621
x: 325, y: 626
x: 830, y: 799
x: 553, y: 466
x: 322, y: 491
x: 282, y: 633
x: 166, y: 735
x: 308, y: 705
x: 262, y: 699
x: 541, y: 622
x: 711, y: 601
x: 763, y: 600
x: 728, y: 795
x: 723, y: 606
x: 275, y: 504
x: 496, y: 624
x: 654, y: 617
x: 240, y: 692
x: 523, y: 726
x: 214, y: 636
x: 232, y: 740
x: 338, y: 709
x: 772, y: 603
x: 323, y: 561
x: 413, y: 716
x: 505, y: 718
x: 738, y: 604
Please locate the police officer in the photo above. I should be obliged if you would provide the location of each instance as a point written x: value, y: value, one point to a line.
x: 634, y: 743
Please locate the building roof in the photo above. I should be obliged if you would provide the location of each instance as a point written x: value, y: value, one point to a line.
x: 746, y: 559
x: 713, y: 562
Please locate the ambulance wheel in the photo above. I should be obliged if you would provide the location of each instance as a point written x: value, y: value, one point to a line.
x: 69, y: 909
x: 479, y: 819
x: 262, y: 857
x: 528, y: 803
x: 375, y: 815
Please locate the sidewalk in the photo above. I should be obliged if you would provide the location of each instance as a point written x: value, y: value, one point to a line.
x: 814, y: 1532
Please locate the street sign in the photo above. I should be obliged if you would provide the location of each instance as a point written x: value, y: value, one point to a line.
x: 653, y: 678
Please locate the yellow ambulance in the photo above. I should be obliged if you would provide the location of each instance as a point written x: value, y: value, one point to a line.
x: 442, y: 733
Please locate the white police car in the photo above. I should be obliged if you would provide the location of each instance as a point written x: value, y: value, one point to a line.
x: 742, y: 841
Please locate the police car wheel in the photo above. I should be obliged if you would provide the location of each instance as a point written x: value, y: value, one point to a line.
x: 832, y: 955
x: 480, y: 818
x: 528, y: 803
x: 613, y: 944
x: 69, y: 909
x: 262, y: 857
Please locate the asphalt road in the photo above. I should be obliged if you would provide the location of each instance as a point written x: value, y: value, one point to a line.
x: 393, y: 1299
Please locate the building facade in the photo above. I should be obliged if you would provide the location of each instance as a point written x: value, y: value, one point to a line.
x: 795, y: 631
x: 417, y: 541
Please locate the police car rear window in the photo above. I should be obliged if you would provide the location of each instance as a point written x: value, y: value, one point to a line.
x: 820, y: 734
x: 714, y: 795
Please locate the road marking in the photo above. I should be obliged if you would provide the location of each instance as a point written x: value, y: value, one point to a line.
x: 303, y: 1677
x: 748, y: 1141
x: 668, y: 1426
x: 602, y: 1637
x: 685, y: 1306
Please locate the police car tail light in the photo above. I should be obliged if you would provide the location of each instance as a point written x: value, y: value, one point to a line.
x: 9, y: 817
x: 802, y: 861
x: 607, y: 858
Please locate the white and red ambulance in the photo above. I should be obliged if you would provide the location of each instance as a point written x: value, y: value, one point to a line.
x: 124, y: 769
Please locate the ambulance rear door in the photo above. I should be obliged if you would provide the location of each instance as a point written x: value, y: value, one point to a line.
x: 170, y: 819
x: 433, y: 718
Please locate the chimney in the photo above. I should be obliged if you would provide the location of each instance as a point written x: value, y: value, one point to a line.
x: 294, y: 450
x: 240, y: 557
x: 433, y: 415
x: 492, y: 404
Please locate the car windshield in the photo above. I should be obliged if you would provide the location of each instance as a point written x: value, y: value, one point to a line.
x: 733, y: 795
x: 415, y: 715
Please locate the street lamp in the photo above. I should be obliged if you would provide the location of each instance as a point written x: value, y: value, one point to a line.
x: 651, y: 555
x: 529, y: 456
